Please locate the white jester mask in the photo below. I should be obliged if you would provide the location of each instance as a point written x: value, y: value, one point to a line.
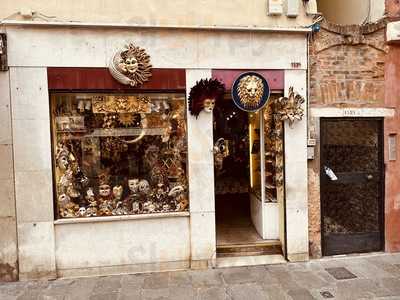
x: 133, y: 185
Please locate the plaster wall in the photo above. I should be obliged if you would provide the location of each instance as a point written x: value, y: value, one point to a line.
x: 346, y: 12
x: 197, y: 49
x: 8, y: 226
x: 296, y: 190
x: 201, y: 180
x: 45, y: 248
x: 392, y: 191
x: 89, y: 248
x: 156, y: 12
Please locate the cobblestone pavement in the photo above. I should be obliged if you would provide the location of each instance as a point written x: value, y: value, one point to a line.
x: 374, y: 276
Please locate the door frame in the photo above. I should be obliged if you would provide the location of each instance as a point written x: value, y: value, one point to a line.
x: 381, y: 154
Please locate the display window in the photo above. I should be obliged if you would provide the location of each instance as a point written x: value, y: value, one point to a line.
x: 119, y: 154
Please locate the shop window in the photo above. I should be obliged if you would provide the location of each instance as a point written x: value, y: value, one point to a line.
x: 119, y: 154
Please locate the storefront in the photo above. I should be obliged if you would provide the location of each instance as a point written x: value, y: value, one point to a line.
x: 117, y: 174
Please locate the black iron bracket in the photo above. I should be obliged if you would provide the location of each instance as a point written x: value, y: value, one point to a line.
x: 3, y: 52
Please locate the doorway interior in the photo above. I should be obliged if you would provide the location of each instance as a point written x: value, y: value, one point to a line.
x: 238, y: 173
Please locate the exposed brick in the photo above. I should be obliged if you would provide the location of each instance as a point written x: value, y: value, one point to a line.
x: 347, y: 66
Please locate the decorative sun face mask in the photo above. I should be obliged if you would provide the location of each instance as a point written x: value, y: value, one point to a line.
x: 204, y: 95
x: 117, y: 191
x: 130, y: 65
x: 133, y: 185
x: 104, y: 190
x: 209, y: 105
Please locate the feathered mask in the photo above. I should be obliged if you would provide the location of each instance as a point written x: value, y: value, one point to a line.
x: 204, y: 95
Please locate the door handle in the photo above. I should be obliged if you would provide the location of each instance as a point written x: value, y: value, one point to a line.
x: 370, y: 177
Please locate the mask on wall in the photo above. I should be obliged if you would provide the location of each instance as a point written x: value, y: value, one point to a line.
x: 204, y: 95
x: 131, y: 66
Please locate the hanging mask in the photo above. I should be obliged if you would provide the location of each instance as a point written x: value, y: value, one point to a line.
x: 204, y: 95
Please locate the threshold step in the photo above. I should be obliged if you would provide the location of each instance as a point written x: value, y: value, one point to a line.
x: 249, y: 249
x: 241, y: 261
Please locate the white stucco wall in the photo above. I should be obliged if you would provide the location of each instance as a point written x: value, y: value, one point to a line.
x: 121, y: 246
x: 190, y: 49
x: 173, y: 12
x: 45, y: 248
x: 352, y: 11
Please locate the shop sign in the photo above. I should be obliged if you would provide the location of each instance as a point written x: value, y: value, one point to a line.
x: 250, y: 91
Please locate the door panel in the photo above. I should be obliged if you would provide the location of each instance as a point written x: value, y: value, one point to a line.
x: 351, y: 199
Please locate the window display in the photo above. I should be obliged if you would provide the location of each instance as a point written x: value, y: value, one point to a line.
x: 119, y: 154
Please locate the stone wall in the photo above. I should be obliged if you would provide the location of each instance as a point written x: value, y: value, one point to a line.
x: 8, y: 235
x: 347, y: 65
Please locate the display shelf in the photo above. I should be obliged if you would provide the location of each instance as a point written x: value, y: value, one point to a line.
x: 121, y: 218
x: 105, y: 132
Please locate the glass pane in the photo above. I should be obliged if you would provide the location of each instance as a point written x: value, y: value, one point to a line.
x: 119, y: 154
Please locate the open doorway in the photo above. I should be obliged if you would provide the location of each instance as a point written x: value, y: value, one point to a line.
x: 238, y: 173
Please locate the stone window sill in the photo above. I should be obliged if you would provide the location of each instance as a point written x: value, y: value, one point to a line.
x: 121, y: 218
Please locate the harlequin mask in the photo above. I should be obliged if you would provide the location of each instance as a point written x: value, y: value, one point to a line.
x: 104, y: 190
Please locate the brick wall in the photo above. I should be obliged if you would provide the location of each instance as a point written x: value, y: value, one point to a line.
x: 347, y: 65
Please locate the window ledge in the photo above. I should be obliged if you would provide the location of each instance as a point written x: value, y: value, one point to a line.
x: 121, y: 218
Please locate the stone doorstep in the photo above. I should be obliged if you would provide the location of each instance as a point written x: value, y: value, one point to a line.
x: 241, y: 261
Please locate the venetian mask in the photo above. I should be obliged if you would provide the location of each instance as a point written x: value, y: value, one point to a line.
x: 176, y: 191
x: 63, y: 162
x: 133, y: 185
x: 89, y: 194
x: 130, y: 65
x: 104, y: 190
x: 209, y: 105
x: 63, y: 199
x: 204, y: 95
x: 117, y: 191
x: 82, y: 212
x: 250, y: 90
x: 144, y: 186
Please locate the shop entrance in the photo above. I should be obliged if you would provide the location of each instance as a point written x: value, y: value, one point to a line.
x: 351, y: 185
x: 238, y: 183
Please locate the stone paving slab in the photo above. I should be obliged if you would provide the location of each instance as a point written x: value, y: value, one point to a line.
x: 377, y: 277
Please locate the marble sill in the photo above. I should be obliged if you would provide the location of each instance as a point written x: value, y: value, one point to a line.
x: 121, y: 218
